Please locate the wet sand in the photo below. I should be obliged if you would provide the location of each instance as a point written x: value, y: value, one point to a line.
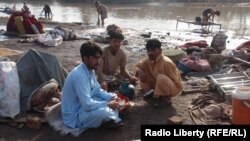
x: 142, y: 113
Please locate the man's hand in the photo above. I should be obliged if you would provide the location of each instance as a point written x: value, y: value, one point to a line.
x: 104, y: 85
x: 141, y: 75
x: 113, y: 104
x: 133, y: 80
x: 115, y: 98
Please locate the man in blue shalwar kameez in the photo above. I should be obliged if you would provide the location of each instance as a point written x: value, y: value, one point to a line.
x: 84, y: 104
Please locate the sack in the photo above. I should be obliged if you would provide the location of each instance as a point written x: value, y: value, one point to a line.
x: 174, y: 54
x: 48, y: 41
x: 196, y: 64
x: 19, y: 24
x: 34, y: 28
x: 9, y: 90
x: 48, y: 94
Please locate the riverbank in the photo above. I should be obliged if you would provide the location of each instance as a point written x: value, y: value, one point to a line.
x: 140, y: 114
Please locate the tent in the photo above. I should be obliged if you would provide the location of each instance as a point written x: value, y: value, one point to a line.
x: 34, y: 69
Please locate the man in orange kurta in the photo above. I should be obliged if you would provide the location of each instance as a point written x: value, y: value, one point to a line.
x: 158, y: 72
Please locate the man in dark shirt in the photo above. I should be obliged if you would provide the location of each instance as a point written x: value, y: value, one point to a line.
x: 208, y: 15
x: 47, y: 11
x: 102, y: 12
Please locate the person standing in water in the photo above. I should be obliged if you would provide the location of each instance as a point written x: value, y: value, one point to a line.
x: 208, y: 15
x: 47, y: 11
x: 102, y: 12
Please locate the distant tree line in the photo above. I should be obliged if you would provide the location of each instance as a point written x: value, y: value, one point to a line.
x: 110, y: 1
x: 144, y: 1
x: 168, y: 1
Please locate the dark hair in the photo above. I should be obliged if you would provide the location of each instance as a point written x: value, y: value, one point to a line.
x: 116, y: 35
x: 197, y: 19
x: 217, y: 13
x: 90, y: 49
x: 97, y: 3
x: 153, y: 43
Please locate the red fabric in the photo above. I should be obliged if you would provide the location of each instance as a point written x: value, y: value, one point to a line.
x: 244, y: 46
x: 11, y: 24
x: 27, y: 26
x: 121, y: 96
x: 196, y: 64
x: 201, y: 44
x: 33, y: 19
x: 27, y: 22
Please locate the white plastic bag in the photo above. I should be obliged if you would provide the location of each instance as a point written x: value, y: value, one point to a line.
x: 40, y: 38
x: 9, y: 89
x: 47, y: 37
x: 35, y: 29
x: 53, y: 42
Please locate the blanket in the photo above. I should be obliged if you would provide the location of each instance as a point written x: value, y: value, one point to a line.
x: 209, y: 109
x: 54, y: 117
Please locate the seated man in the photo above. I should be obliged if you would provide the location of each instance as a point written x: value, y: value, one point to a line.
x: 113, y: 58
x: 158, y: 73
x: 84, y: 104
x: 208, y: 15
x: 47, y: 11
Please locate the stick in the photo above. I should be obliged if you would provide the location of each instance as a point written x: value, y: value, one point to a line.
x: 20, y: 120
x: 242, y: 61
x: 194, y: 90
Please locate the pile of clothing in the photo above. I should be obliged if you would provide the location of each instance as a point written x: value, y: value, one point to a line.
x: 24, y: 23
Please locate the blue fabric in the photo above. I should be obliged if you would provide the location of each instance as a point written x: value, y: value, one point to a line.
x: 84, y: 103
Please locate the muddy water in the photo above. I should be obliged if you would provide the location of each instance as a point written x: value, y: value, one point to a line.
x: 152, y: 16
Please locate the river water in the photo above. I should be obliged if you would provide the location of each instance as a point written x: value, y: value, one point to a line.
x: 235, y: 19
x: 153, y: 16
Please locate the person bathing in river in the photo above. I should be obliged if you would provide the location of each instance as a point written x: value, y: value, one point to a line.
x: 208, y: 15
x: 102, y: 12
x: 47, y: 11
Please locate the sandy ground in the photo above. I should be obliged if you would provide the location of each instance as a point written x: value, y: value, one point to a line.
x: 142, y: 113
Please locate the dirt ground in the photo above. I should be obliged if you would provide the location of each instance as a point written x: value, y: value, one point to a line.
x: 142, y: 112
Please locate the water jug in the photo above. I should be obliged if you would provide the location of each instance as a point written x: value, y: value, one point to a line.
x: 127, y: 90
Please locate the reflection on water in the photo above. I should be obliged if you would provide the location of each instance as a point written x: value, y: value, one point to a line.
x: 2, y: 27
x: 2, y: 37
x: 152, y: 16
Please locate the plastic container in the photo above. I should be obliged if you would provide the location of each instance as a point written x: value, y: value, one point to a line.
x: 48, y: 41
x: 241, y: 105
x: 127, y: 90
